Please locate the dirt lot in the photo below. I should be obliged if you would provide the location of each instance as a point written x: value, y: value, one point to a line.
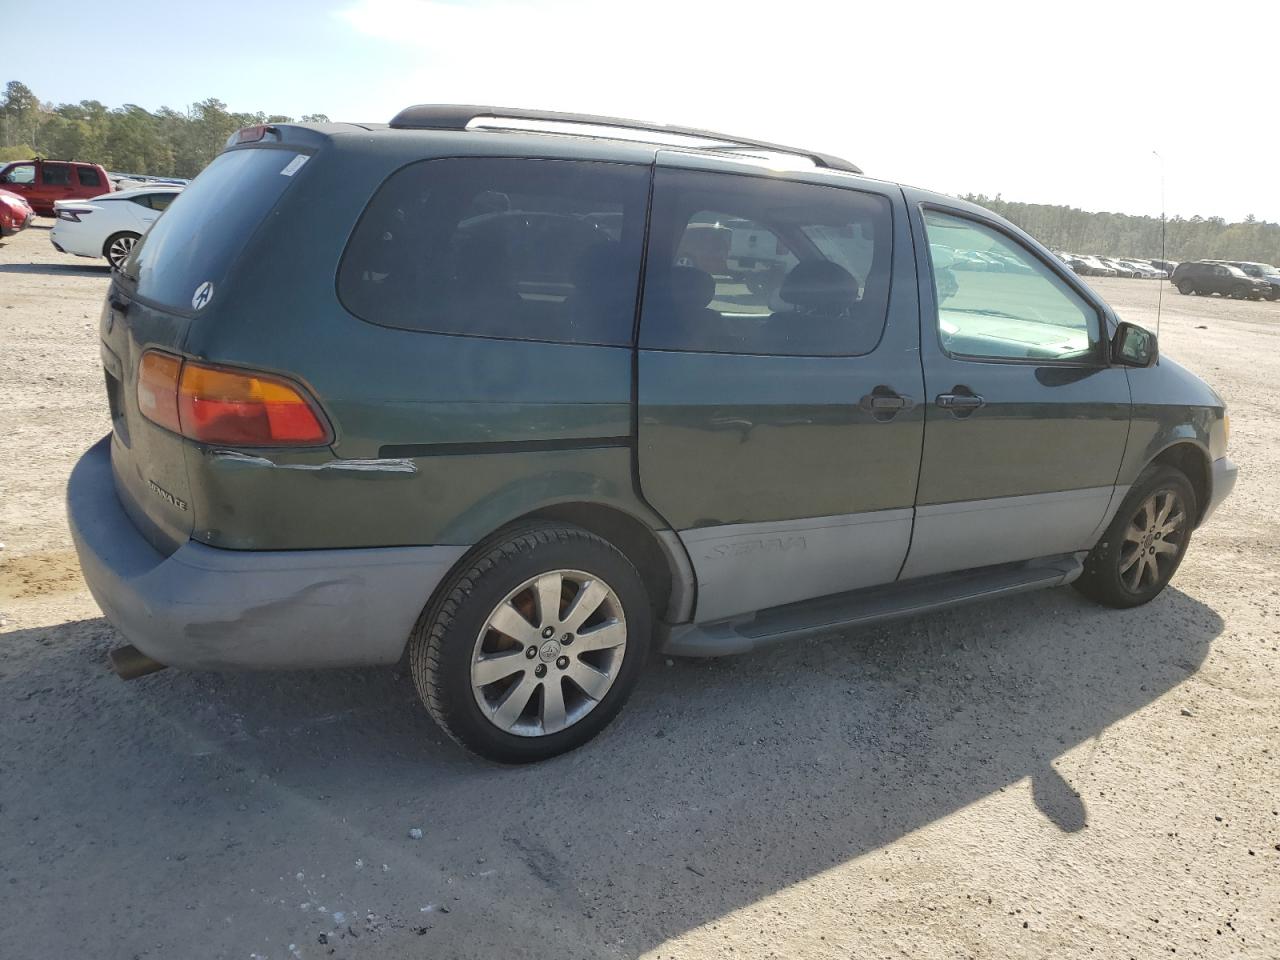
x: 1036, y: 777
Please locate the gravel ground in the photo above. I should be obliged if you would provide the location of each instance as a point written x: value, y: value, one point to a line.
x: 1035, y: 777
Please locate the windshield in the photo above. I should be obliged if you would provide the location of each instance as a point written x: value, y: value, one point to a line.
x: 207, y: 225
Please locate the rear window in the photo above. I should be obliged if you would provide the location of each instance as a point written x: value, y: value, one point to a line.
x: 208, y: 224
x: 515, y: 249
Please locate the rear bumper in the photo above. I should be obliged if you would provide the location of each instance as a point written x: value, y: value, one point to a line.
x: 1221, y: 483
x: 205, y: 608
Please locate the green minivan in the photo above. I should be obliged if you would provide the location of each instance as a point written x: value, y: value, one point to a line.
x: 520, y: 397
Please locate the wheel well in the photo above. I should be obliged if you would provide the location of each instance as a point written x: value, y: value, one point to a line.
x: 1191, y: 460
x: 628, y: 534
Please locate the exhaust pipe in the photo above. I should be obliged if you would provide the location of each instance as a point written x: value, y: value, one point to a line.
x: 129, y: 663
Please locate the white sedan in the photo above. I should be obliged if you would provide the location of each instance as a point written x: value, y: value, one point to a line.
x: 109, y: 225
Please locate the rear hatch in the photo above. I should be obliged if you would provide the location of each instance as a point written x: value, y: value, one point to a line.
x: 171, y: 282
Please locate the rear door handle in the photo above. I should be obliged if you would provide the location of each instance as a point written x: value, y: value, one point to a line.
x: 884, y: 403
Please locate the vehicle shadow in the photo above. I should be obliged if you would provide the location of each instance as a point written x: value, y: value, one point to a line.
x: 723, y: 782
x: 59, y: 269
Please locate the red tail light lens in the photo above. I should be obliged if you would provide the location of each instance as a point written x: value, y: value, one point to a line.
x: 254, y: 133
x: 223, y: 405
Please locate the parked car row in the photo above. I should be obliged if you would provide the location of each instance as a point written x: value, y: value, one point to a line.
x: 1239, y: 279
x: 1088, y: 265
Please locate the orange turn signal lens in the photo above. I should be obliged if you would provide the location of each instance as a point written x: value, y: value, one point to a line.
x: 224, y: 405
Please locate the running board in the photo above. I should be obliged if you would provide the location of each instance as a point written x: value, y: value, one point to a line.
x: 870, y: 605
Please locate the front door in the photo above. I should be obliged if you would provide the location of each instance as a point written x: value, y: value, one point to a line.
x: 1026, y: 423
x: 20, y: 178
x: 779, y: 383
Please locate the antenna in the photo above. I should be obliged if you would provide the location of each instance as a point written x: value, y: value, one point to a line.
x: 1164, y: 260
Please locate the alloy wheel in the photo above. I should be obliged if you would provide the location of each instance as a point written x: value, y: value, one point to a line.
x: 1152, y: 541
x: 548, y: 653
x: 119, y: 250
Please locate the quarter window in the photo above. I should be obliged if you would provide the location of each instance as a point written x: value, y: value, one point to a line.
x: 515, y: 249
x: 997, y: 300
x: 88, y: 177
x: 753, y: 265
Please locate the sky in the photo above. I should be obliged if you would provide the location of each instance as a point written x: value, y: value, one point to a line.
x: 1088, y: 104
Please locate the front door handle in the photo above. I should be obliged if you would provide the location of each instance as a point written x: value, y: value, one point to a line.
x: 961, y: 401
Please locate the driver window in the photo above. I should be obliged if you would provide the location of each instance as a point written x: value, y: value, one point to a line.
x: 998, y: 301
x: 22, y: 173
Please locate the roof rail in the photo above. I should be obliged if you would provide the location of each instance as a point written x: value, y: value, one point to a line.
x: 457, y: 116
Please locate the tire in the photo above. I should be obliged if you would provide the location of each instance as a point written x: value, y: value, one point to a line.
x: 1185, y: 288
x: 500, y: 580
x: 1128, y: 567
x: 118, y: 247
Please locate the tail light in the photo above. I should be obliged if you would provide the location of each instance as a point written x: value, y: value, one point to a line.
x: 225, y: 405
x: 71, y: 216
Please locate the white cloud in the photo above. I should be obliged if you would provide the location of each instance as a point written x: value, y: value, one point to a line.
x: 1052, y: 102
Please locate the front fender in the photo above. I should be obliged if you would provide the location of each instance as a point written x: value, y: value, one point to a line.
x: 1171, y: 405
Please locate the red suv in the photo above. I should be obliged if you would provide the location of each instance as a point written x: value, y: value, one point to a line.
x: 42, y: 182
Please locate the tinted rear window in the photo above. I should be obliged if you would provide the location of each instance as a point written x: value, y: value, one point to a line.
x: 208, y: 224
x: 516, y: 249
x: 741, y: 264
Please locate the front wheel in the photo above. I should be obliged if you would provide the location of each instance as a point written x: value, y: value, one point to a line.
x: 534, y: 647
x: 1185, y: 288
x: 1145, y: 542
x: 118, y: 247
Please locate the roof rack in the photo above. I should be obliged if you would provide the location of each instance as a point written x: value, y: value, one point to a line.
x: 457, y: 116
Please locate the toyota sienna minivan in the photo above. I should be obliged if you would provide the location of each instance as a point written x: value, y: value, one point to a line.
x: 473, y: 390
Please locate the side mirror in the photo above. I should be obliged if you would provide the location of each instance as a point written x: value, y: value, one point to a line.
x: 1133, y: 346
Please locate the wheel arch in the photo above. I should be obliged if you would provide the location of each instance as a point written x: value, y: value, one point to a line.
x: 657, y: 554
x: 106, y: 244
x: 1193, y: 461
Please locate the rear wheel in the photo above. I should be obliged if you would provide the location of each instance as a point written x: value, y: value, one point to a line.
x: 1145, y: 542
x: 534, y: 647
x: 118, y: 247
x: 1185, y: 288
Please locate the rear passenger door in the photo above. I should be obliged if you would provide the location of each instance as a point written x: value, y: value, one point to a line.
x: 55, y: 182
x: 1026, y: 422
x: 779, y: 382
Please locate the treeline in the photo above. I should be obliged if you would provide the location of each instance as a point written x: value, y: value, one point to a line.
x: 174, y: 143
x: 1124, y: 235
x: 128, y: 139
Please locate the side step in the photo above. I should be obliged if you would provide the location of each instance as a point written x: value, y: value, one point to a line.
x: 870, y: 605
